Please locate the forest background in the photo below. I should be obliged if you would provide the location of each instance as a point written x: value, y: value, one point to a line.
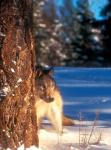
x: 68, y: 33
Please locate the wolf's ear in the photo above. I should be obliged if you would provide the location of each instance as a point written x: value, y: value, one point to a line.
x: 39, y: 71
x: 44, y: 71
x: 49, y: 71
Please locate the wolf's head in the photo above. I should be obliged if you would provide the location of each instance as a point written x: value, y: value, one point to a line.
x: 45, y: 83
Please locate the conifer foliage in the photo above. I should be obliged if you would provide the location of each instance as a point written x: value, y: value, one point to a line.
x: 68, y: 34
x: 106, y: 14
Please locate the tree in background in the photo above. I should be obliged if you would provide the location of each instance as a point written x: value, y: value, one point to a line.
x: 17, y: 79
x: 79, y: 32
x: 88, y: 42
x: 70, y: 28
x: 47, y: 27
x: 106, y: 13
x: 83, y: 39
x: 69, y: 35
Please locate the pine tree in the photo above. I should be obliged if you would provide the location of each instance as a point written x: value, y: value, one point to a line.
x: 47, y: 28
x: 68, y: 18
x: 80, y: 36
x: 83, y: 38
x: 106, y: 13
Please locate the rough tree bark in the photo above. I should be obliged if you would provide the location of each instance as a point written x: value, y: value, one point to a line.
x: 17, y: 85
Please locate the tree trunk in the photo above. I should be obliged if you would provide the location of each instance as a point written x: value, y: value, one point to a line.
x: 17, y: 85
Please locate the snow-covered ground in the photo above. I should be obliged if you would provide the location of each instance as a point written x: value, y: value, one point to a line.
x: 76, y: 138
x: 86, y: 135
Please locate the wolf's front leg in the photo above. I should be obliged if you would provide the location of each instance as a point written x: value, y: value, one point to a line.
x: 55, y: 116
x: 39, y: 122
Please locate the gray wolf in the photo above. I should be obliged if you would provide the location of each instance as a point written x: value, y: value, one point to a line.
x: 49, y: 101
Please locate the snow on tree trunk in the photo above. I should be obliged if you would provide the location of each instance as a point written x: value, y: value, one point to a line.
x: 17, y: 91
